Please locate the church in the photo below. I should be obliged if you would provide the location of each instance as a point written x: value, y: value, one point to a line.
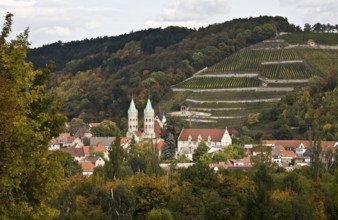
x: 152, y: 124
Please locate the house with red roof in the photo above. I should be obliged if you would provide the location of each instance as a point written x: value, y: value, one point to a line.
x: 91, y: 150
x: 190, y: 138
x: 65, y: 140
x: 53, y: 145
x: 77, y: 153
x: 233, y: 164
x: 298, y: 152
x: 89, y: 163
x: 87, y: 168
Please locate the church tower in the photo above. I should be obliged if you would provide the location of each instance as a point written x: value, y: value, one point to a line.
x: 132, y: 118
x: 149, y: 116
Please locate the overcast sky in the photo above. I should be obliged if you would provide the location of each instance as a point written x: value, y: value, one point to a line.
x: 67, y: 20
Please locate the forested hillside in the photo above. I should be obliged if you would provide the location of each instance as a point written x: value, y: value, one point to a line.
x: 96, y: 78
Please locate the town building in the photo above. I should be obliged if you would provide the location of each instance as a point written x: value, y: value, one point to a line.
x: 190, y: 138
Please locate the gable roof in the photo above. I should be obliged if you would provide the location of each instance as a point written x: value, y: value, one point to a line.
x: 215, y: 134
x: 65, y: 138
x: 297, y: 143
x: 87, y: 166
x: 75, y: 152
x: 53, y: 141
x: 105, y: 141
x: 94, y: 124
x: 288, y: 153
x: 157, y: 129
x: 92, y: 159
x: 98, y: 148
x: 160, y: 145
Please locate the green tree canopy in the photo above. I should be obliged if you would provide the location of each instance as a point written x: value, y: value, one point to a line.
x: 106, y: 128
x: 201, y: 149
x: 28, y: 178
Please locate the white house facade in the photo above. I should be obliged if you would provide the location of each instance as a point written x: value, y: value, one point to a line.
x: 189, y: 139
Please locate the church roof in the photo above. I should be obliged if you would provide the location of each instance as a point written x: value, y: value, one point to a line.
x: 149, y: 108
x: 215, y: 134
x: 132, y: 107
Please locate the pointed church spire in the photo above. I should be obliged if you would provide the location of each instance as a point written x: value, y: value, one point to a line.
x: 132, y: 107
x: 149, y: 108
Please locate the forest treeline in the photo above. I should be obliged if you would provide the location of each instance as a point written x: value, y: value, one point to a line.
x: 96, y: 78
x: 265, y: 192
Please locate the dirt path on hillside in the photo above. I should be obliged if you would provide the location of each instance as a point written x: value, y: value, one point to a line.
x: 229, y: 75
x: 215, y: 109
x: 266, y: 89
x: 267, y: 80
x: 233, y: 101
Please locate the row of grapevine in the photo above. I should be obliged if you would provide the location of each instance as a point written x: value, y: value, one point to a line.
x: 251, y: 105
x: 285, y: 71
x: 236, y: 95
x: 219, y: 82
x: 250, y: 60
x: 293, y: 84
x: 323, y: 60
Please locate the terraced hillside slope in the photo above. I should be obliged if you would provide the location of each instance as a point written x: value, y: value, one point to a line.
x: 244, y: 84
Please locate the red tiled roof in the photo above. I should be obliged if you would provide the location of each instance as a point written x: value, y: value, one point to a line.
x: 86, y: 149
x: 87, y: 166
x: 75, y: 152
x: 98, y: 148
x: 289, y: 143
x: 125, y: 140
x: 297, y: 143
x: 70, y: 139
x: 160, y: 145
x: 215, y: 134
x: 94, y: 124
x: 246, y: 161
x: 64, y: 135
x: 213, y: 165
x: 138, y: 133
x: 157, y: 129
x: 53, y: 141
x: 288, y: 153
x: 92, y: 159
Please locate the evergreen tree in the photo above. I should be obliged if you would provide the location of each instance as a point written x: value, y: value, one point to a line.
x: 170, y: 147
x: 116, y: 156
x: 153, y: 166
x: 316, y: 167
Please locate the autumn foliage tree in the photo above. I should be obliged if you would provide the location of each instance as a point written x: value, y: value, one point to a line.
x: 29, y: 118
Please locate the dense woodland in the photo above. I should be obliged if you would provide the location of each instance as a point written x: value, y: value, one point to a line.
x: 96, y: 78
x: 304, y: 114
x: 36, y: 184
